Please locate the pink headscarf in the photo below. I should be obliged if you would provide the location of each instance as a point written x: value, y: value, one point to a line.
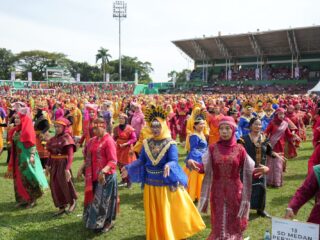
x: 225, y: 144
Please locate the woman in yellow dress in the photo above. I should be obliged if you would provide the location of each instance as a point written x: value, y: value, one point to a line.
x: 170, y: 212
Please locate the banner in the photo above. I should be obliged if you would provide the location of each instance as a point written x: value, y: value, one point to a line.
x: 257, y: 73
x: 107, y: 77
x: 296, y: 72
x: 13, y: 76
x: 78, y: 77
x: 229, y: 74
x: 136, y: 77
x: 174, y: 79
x: 30, y: 76
x: 188, y: 76
x: 293, y: 230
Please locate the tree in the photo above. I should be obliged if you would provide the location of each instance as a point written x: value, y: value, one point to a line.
x: 180, y: 76
x: 37, y: 61
x: 87, y: 72
x: 131, y: 65
x: 104, y: 56
x: 6, y: 63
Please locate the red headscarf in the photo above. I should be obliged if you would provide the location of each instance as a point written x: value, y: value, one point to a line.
x: 64, y: 122
x: 276, y: 118
x: 27, y: 135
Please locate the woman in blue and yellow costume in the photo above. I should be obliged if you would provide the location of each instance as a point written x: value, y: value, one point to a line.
x: 169, y: 210
x: 196, y: 146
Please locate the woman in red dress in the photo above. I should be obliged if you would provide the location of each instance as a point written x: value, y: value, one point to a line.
x: 61, y: 148
x: 101, y: 194
x: 125, y: 138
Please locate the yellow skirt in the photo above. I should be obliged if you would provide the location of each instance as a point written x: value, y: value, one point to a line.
x: 170, y: 215
x: 195, y: 180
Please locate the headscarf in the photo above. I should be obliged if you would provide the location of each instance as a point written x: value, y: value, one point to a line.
x: 165, y: 132
x: 276, y: 118
x: 190, y: 127
x: 27, y: 134
x: 123, y: 126
x: 224, y: 144
x: 138, y: 112
x: 64, y: 122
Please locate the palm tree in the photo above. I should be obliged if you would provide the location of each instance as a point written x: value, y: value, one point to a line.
x: 104, y: 56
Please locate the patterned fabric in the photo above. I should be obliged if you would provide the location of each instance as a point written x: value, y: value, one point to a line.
x: 148, y: 170
x: 259, y: 154
x: 29, y: 180
x: 102, y: 210
x: 229, y: 198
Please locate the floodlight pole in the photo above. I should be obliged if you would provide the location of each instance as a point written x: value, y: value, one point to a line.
x: 120, y: 12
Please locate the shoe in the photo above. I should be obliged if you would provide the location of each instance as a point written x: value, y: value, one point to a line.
x: 107, y: 228
x: 129, y: 185
x: 31, y: 205
x: 122, y: 184
x: 61, y: 211
x: 72, y: 207
x: 20, y: 204
x: 263, y: 214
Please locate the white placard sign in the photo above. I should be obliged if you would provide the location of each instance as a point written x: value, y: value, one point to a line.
x: 13, y: 76
x: 30, y: 76
x: 292, y: 230
x: 78, y: 77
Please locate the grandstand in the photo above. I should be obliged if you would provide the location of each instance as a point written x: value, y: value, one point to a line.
x: 288, y: 57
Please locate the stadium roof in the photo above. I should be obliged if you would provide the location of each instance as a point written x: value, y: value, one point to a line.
x: 292, y: 41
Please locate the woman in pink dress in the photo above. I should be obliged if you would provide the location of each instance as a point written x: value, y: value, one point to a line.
x: 137, y: 121
x: 278, y: 132
x: 229, y: 197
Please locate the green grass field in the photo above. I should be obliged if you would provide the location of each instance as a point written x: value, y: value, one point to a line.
x: 38, y: 223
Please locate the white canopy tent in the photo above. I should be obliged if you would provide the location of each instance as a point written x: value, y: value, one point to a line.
x: 316, y: 88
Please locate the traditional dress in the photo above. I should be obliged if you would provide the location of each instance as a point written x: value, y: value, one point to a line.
x: 125, y: 155
x: 77, y: 122
x: 170, y: 212
x: 137, y: 121
x: 278, y: 132
x: 87, y: 131
x: 213, y: 122
x: 198, y: 146
x: 29, y: 179
x: 182, y: 115
x: 61, y: 148
x: 229, y: 197
x: 258, y: 152
x: 172, y: 122
x: 41, y: 126
x: 100, y: 202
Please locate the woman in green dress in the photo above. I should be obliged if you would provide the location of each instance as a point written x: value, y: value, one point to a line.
x: 25, y: 166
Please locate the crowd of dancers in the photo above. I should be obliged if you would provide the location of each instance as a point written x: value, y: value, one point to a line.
x: 236, y: 146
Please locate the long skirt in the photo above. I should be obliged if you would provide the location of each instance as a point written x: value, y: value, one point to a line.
x: 62, y: 192
x: 195, y: 180
x: 258, y: 195
x: 102, y: 211
x: 274, y: 177
x: 170, y: 214
x: 29, y: 180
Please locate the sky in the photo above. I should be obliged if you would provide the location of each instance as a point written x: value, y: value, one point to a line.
x: 78, y: 28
